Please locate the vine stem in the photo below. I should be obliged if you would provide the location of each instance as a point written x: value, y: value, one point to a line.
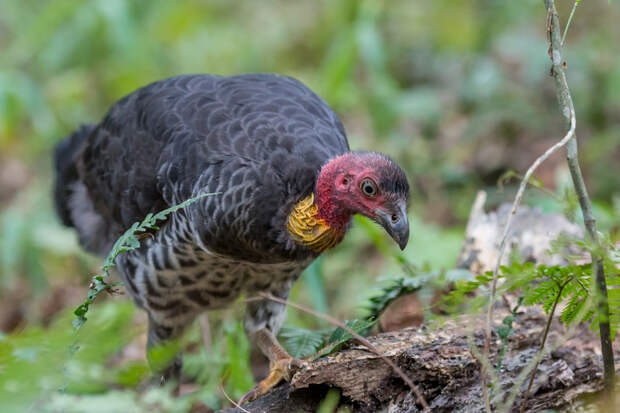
x: 566, y: 104
x: 542, y: 344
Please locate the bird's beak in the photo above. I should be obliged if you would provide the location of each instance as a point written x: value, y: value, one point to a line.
x: 395, y: 222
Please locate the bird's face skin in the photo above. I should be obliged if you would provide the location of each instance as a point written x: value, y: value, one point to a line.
x: 369, y: 184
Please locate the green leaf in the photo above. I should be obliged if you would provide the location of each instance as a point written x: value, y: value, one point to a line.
x: 341, y: 336
x: 397, y: 288
x: 126, y: 242
x: 301, y: 342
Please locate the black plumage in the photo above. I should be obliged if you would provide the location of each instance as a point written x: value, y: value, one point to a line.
x: 258, y: 141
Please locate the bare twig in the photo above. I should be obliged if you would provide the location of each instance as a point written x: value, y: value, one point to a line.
x: 566, y: 104
x: 570, y: 114
x: 568, y: 111
x: 570, y: 20
x: 504, y: 239
x: 359, y: 338
x: 234, y: 403
x: 542, y: 343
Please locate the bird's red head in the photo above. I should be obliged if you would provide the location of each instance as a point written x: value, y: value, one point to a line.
x: 364, y: 183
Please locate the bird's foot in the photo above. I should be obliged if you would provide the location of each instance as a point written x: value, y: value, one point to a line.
x: 280, y: 369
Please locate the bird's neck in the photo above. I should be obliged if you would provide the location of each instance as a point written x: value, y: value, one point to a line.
x: 319, y: 221
x: 308, y: 228
x: 330, y: 207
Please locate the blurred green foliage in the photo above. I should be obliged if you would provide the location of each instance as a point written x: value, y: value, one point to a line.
x: 457, y: 91
x: 61, y: 359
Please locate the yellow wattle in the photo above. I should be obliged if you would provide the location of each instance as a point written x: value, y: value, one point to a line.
x: 308, y: 229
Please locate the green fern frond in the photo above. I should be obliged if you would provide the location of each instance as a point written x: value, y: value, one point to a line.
x: 544, y: 290
x: 518, y: 275
x: 301, y: 342
x: 573, y: 307
x: 398, y: 287
x: 340, y: 336
x: 461, y: 288
x: 126, y: 242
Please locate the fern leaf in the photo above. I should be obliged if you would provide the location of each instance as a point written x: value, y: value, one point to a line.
x: 301, y: 342
x: 125, y: 243
x: 341, y: 336
x: 400, y: 286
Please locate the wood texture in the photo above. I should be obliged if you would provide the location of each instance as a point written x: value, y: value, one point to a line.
x: 440, y: 362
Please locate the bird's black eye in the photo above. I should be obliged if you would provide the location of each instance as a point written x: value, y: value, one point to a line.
x: 368, y: 187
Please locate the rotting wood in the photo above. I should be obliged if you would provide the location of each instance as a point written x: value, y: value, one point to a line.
x: 441, y: 364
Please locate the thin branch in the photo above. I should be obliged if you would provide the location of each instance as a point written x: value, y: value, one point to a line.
x: 234, y: 403
x: 359, y: 338
x: 569, y: 115
x: 566, y: 104
x: 504, y: 239
x: 570, y: 19
x: 570, y: 112
x: 542, y: 343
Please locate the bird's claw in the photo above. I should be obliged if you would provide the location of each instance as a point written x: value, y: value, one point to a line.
x: 281, y: 369
x: 294, y: 365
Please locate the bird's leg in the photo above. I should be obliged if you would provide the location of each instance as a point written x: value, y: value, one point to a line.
x: 263, y: 319
x: 280, y: 364
x: 159, y: 335
x: 259, y: 363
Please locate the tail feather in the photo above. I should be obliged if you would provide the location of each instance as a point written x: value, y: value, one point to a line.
x: 65, y: 165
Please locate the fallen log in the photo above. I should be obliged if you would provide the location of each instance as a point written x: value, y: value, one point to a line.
x: 441, y: 363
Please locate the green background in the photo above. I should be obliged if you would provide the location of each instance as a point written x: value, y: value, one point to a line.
x: 458, y: 92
